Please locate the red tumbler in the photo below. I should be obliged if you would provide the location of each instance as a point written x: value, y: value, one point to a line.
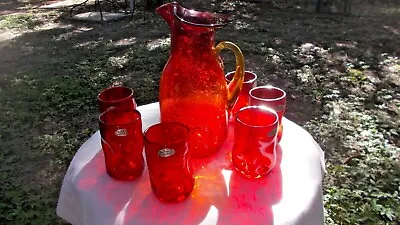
x: 250, y: 81
x: 122, y: 142
x: 253, y: 154
x: 168, y: 161
x: 119, y: 97
x: 272, y: 97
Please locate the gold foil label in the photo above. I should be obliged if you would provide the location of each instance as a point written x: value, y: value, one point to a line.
x: 121, y: 132
x: 166, y: 152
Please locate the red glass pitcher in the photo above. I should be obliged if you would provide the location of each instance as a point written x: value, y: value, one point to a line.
x: 193, y: 90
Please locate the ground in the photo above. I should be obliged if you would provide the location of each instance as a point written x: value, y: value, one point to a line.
x: 341, y: 73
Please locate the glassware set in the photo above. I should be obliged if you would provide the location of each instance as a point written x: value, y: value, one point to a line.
x: 197, y: 104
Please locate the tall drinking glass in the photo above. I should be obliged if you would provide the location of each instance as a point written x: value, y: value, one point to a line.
x: 272, y: 97
x: 119, y: 97
x: 253, y: 154
x: 122, y: 143
x: 168, y: 161
x: 250, y: 81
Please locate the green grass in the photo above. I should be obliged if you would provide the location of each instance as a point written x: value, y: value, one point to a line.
x: 49, y: 109
x: 19, y: 21
x: 346, y: 97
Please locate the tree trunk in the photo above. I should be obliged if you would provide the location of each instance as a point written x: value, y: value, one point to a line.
x: 151, y: 5
x: 319, y: 6
x: 347, y: 7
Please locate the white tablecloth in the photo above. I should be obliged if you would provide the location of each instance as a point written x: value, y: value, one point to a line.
x: 290, y: 194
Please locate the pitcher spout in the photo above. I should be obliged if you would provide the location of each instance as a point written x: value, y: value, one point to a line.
x: 170, y: 11
x: 166, y: 11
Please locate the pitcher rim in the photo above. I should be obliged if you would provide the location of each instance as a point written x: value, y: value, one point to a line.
x: 262, y: 108
x: 199, y: 24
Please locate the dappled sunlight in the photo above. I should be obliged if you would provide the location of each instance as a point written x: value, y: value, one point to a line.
x: 159, y: 43
x: 355, y: 107
x: 118, y: 61
x: 227, y: 177
x: 83, y: 29
x: 346, y: 44
x: 8, y: 35
x: 62, y: 4
x: 229, y: 5
x: 24, y: 80
x: 390, y: 69
x: 87, y: 45
x: 211, y: 216
x: 392, y: 29
x: 309, y: 56
x: 123, y: 42
x: 72, y: 33
x: 50, y: 26
x: 305, y: 74
x: 241, y: 25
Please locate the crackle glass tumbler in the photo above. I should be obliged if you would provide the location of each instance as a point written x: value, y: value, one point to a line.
x: 119, y: 97
x: 272, y: 97
x: 255, y: 131
x: 168, y: 161
x: 122, y: 143
x: 249, y: 82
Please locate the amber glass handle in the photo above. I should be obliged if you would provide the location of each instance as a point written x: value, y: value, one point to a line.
x: 236, y: 84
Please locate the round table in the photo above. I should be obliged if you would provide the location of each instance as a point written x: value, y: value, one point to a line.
x: 290, y: 194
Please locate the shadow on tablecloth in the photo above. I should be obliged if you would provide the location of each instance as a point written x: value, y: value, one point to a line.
x: 222, y: 197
